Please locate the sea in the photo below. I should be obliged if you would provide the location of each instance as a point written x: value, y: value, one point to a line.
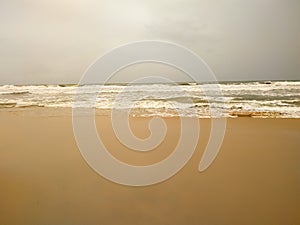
x: 263, y: 99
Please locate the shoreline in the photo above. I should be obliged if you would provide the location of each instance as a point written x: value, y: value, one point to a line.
x: 67, y: 111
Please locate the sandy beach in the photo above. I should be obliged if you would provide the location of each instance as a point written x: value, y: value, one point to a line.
x: 255, y: 179
x: 220, y: 79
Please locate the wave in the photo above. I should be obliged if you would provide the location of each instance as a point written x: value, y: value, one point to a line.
x: 16, y: 105
x: 263, y: 97
x: 30, y: 105
x: 239, y: 98
x: 184, y: 99
x: 8, y: 105
x: 292, y: 102
x: 67, y: 85
x: 261, y: 114
x: 16, y: 93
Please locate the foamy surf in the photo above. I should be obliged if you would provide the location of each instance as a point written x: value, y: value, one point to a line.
x: 280, y: 99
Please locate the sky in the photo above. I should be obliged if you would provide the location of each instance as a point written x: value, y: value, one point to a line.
x: 54, y: 41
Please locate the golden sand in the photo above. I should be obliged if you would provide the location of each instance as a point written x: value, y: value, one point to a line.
x: 255, y: 179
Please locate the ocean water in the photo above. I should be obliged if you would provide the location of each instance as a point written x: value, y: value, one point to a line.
x: 228, y: 99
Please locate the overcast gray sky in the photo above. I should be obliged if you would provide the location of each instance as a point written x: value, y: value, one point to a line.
x: 54, y: 41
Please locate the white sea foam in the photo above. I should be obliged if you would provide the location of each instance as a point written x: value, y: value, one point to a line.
x: 277, y: 99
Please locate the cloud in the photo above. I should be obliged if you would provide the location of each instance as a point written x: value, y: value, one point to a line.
x: 54, y: 41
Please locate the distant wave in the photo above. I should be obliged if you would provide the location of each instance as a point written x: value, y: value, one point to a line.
x: 292, y: 102
x: 16, y: 93
x: 67, y: 85
x: 258, y: 97
x: 15, y: 105
x: 8, y: 105
x: 31, y: 105
x: 179, y: 99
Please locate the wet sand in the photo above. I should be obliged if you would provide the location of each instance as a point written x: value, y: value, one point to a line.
x: 255, y: 179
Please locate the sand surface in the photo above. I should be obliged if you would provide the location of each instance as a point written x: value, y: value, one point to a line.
x: 44, y: 179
